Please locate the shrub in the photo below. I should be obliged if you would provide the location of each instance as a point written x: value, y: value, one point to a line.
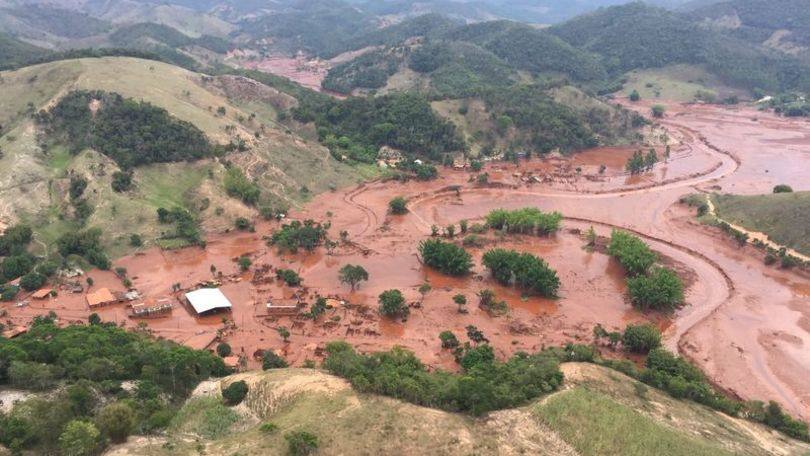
x: 9, y: 292
x: 270, y: 360
x: 633, y: 254
x: 121, y: 181
x: 662, y: 289
x: 237, y: 185
x: 289, y: 277
x: 448, y: 339
x: 446, y: 257
x: 641, y: 338
x: 268, y: 428
x: 782, y: 188
x: 116, y: 421
x: 223, y: 349
x: 32, y: 281
x: 301, y: 443
x: 135, y: 240
x: 235, y: 393
x: 242, y: 224
x: 398, y: 206
x: 244, y: 263
x: 79, y: 438
x: 392, y: 304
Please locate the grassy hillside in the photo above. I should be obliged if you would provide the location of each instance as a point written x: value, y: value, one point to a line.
x: 33, y: 181
x: 601, y: 412
x: 784, y: 217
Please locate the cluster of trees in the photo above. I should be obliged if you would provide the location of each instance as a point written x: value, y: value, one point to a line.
x: 485, y: 383
x: 635, y: 338
x: 528, y: 220
x: 404, y: 121
x: 90, y: 363
x: 289, y: 277
x: 85, y: 243
x: 237, y: 185
x: 446, y: 257
x: 296, y: 235
x: 369, y: 71
x: 130, y: 132
x: 186, y: 225
x: 640, y: 163
x: 529, y: 273
x: 656, y: 288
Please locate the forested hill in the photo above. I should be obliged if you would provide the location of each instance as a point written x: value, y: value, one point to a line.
x: 758, y: 20
x: 14, y: 51
x: 639, y: 36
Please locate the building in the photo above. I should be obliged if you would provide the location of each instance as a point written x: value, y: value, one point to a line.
x: 42, y: 294
x: 208, y: 300
x: 100, y: 297
x: 151, y: 310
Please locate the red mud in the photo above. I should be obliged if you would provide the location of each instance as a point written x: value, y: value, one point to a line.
x: 745, y: 324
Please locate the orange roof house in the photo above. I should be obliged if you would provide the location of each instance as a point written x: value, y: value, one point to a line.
x: 41, y: 294
x: 100, y: 297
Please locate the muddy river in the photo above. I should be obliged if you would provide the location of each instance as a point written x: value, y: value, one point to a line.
x: 746, y: 325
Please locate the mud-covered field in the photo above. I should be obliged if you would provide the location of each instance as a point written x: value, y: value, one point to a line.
x: 745, y: 324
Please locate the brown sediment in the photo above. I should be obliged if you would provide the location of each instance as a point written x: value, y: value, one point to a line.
x: 734, y: 304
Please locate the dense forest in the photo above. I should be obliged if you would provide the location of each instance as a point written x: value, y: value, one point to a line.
x: 403, y: 120
x: 130, y: 132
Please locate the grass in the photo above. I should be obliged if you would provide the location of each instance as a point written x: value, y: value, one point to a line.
x: 594, y: 424
x: 674, y: 83
x: 784, y: 217
x: 206, y: 417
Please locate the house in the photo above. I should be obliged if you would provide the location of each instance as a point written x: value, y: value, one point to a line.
x: 151, y: 310
x: 282, y: 310
x: 208, y: 300
x: 41, y: 294
x: 100, y: 297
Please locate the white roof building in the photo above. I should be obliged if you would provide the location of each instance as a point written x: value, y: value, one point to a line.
x: 207, y: 299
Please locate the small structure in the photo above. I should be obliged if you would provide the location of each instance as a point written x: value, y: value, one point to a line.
x: 41, y: 294
x: 282, y: 310
x: 154, y: 310
x: 208, y: 300
x: 100, y: 298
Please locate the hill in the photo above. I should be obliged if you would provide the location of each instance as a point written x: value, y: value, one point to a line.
x: 784, y: 217
x: 35, y: 174
x: 14, y: 52
x: 599, y: 412
x: 637, y: 36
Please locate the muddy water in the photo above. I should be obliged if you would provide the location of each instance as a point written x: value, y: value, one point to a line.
x: 746, y: 325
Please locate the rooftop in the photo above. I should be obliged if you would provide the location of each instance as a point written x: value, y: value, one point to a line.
x: 207, y: 299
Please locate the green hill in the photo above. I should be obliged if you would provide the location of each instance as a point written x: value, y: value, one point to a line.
x: 34, y: 180
x: 600, y: 412
x: 13, y: 51
x: 784, y: 217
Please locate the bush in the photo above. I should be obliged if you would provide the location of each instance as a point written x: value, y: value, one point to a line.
x: 135, y: 240
x: 237, y: 185
x: 32, y: 281
x: 244, y: 263
x: 242, y: 224
x: 223, y: 349
x: 448, y: 339
x: 528, y: 272
x: 270, y: 360
x: 9, y: 292
x: 392, y: 304
x: 79, y: 438
x: 116, y: 421
x: 235, y: 393
x: 398, y: 206
x: 121, y: 181
x: 662, y: 289
x: 633, y: 254
x: 782, y: 188
x: 641, y: 338
x: 301, y: 443
x: 446, y: 257
x: 290, y: 277
x: 268, y: 428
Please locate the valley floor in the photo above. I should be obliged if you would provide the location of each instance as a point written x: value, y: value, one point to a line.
x: 745, y: 324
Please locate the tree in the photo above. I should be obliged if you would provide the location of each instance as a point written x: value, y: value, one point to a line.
x: 424, y: 289
x: 32, y: 281
x: 641, y: 338
x: 634, y: 96
x: 398, y: 206
x: 658, y: 111
x: 352, y: 274
x: 448, y: 339
x: 782, y: 188
x: 94, y: 319
x: 79, y: 438
x: 116, y: 421
x: 235, y: 393
x: 445, y: 257
x: 650, y: 159
x: 289, y: 277
x: 662, y: 289
x: 460, y: 301
x: 392, y: 304
x: 223, y: 349
x: 301, y: 443
x: 283, y: 332
x: 270, y: 360
x: 244, y: 263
